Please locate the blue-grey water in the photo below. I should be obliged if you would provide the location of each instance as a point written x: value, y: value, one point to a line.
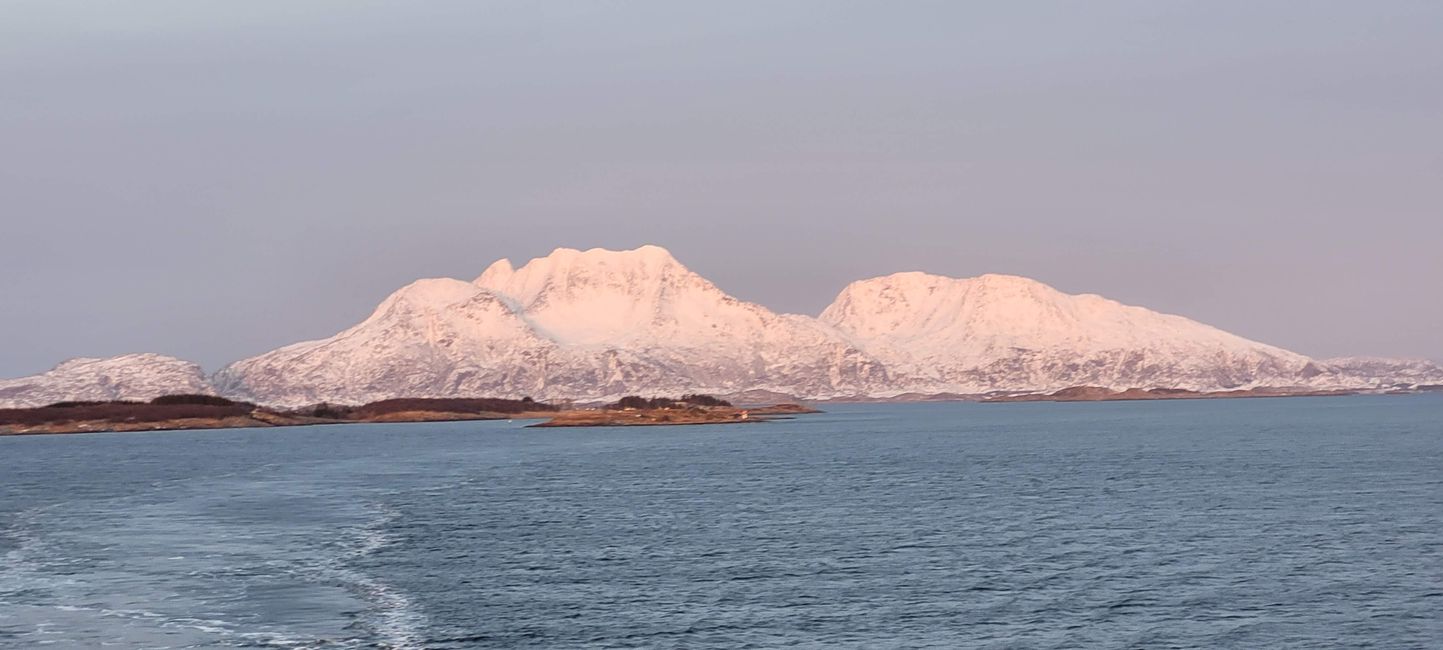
x: 1290, y: 523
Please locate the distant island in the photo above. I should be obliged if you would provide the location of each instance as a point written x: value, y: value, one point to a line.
x: 196, y: 411
x: 689, y: 409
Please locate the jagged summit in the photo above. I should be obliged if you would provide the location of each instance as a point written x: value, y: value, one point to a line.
x: 502, y: 271
x: 599, y: 297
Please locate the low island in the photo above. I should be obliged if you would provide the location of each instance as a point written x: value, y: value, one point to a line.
x: 689, y: 409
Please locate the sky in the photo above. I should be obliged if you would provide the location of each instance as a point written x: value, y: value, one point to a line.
x: 213, y: 180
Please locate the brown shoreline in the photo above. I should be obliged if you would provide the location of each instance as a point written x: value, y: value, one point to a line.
x: 597, y: 417
x: 262, y: 418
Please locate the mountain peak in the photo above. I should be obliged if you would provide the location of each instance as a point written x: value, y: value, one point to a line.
x: 921, y: 280
x: 600, y: 295
x: 428, y: 294
x: 914, y: 301
x: 497, y: 272
x: 118, y: 361
x: 436, y: 291
x: 1006, y: 280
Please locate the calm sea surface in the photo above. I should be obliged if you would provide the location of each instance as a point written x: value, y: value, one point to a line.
x: 1293, y: 523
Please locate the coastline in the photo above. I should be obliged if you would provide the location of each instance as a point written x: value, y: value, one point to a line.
x: 264, y: 418
x: 601, y: 417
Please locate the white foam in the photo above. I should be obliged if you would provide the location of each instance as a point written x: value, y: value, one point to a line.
x: 396, y: 618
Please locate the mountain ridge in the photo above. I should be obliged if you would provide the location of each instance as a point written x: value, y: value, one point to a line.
x: 598, y: 324
x: 1002, y: 332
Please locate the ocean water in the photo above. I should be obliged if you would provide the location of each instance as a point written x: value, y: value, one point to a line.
x: 1267, y: 523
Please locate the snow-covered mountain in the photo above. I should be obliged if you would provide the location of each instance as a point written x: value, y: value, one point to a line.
x: 127, y: 377
x: 1000, y: 332
x: 599, y: 324
x: 572, y: 325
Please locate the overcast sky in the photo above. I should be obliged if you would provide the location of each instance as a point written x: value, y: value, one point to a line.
x: 215, y: 179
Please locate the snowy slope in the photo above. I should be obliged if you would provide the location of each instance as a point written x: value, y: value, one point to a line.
x: 431, y: 338
x: 999, y: 332
x: 137, y: 377
x: 1381, y: 372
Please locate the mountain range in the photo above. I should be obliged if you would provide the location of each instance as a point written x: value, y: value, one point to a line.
x: 599, y: 324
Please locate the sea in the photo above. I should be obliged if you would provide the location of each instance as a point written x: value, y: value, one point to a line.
x: 1241, y: 523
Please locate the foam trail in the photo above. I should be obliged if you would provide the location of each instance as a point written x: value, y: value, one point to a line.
x: 397, y: 621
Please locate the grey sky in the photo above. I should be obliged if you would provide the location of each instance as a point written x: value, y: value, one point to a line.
x: 212, y: 180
